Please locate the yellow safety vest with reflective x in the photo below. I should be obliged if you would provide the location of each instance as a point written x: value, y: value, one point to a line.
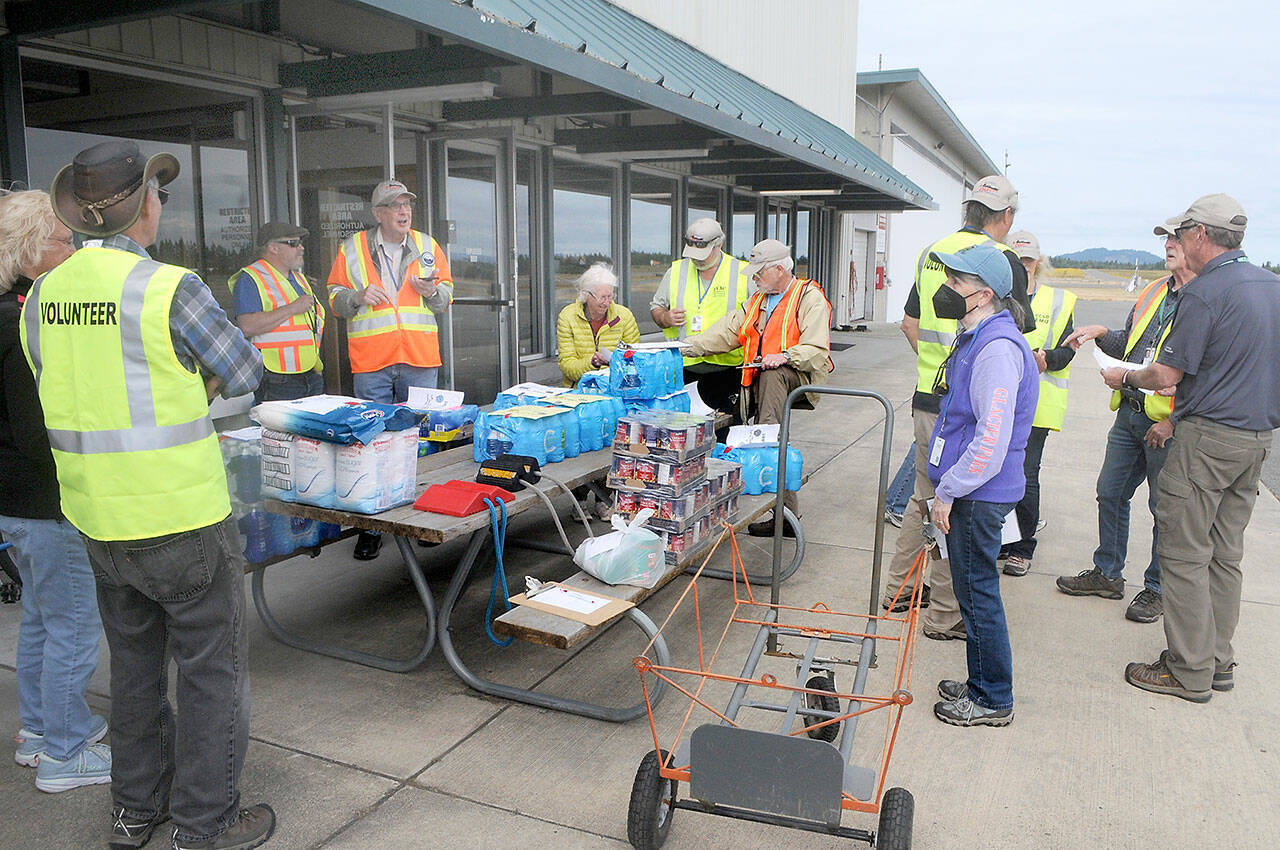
x: 1151, y: 305
x: 1052, y: 308
x: 726, y: 292
x: 290, y: 347
x: 936, y: 336
x: 129, y: 425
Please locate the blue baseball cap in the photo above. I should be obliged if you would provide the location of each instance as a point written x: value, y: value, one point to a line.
x: 986, y: 261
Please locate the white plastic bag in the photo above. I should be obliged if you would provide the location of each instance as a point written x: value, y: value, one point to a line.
x: 630, y: 554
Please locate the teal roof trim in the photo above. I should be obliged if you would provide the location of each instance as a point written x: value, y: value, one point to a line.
x: 606, y: 46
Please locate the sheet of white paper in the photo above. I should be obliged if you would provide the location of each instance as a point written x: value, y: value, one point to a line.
x: 248, y: 435
x: 746, y: 435
x: 427, y: 398
x: 697, y: 406
x: 654, y: 346
x: 1106, y: 361
x: 931, y: 531
x: 1010, y: 532
x: 571, y: 600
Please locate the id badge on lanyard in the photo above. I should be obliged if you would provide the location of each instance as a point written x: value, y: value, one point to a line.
x: 695, y: 324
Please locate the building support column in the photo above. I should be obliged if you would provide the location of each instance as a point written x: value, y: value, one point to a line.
x: 275, y: 134
x: 13, y: 138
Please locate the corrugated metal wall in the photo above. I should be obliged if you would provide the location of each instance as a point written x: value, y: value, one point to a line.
x: 805, y: 51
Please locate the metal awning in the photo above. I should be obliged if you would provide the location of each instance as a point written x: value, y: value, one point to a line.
x: 760, y: 138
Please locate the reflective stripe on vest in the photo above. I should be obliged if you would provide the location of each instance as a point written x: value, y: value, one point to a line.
x: 1051, y: 322
x: 404, y: 331
x: 129, y: 425
x: 730, y: 279
x: 779, y: 334
x: 936, y: 336
x: 1156, y: 407
x: 290, y: 347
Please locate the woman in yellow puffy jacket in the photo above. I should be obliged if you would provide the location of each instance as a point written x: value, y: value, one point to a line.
x: 590, y: 328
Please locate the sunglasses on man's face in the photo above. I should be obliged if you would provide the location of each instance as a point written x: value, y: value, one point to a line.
x: 698, y: 243
x: 292, y: 243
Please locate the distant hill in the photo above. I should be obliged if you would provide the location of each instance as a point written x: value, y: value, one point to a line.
x: 1107, y: 257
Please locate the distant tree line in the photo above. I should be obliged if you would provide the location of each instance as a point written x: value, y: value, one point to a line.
x: 1067, y: 263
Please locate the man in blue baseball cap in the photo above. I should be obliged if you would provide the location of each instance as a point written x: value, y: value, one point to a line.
x: 989, y: 385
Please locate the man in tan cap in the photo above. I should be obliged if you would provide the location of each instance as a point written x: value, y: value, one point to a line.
x: 1221, y: 355
x: 276, y: 310
x: 784, y: 331
x: 699, y: 289
x: 389, y: 282
x: 127, y: 352
x: 988, y: 217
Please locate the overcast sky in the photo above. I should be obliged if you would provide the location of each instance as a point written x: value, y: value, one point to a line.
x: 1116, y: 115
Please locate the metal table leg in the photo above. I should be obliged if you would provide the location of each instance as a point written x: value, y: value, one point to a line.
x: 787, y: 573
x: 394, y: 665
x: 532, y: 697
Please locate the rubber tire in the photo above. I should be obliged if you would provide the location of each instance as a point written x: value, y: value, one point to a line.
x: 9, y: 567
x: 647, y: 822
x: 897, y: 810
x: 832, y: 731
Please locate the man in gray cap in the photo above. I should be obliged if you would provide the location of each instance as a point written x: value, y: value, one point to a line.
x: 276, y: 310
x: 127, y: 353
x: 784, y: 331
x: 700, y: 288
x: 1221, y: 355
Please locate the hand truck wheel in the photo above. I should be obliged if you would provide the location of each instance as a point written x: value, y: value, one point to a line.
x: 653, y: 799
x: 897, y: 809
x: 823, y: 702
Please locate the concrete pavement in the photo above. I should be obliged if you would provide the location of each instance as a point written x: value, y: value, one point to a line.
x: 352, y: 757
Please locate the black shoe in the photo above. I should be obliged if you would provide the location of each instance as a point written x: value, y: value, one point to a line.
x: 1146, y: 607
x: 966, y: 712
x: 952, y: 690
x: 1224, y: 680
x: 367, y: 546
x: 252, y: 829
x: 764, y: 528
x: 129, y: 832
x: 905, y: 602
x: 956, y: 632
x: 1092, y: 582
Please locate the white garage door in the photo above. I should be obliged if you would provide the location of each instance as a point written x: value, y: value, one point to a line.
x: 910, y: 232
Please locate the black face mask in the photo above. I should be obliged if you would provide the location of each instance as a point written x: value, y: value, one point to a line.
x: 949, y: 304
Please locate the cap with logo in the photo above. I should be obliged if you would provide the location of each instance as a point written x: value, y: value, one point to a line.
x: 766, y: 252
x: 1216, y: 210
x: 1024, y: 244
x: 274, y: 231
x: 986, y: 261
x: 701, y: 238
x: 387, y: 191
x: 995, y: 193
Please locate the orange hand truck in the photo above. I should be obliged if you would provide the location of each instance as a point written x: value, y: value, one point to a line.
x: 798, y: 773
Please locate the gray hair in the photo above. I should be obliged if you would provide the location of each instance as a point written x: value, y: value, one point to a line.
x: 978, y: 215
x: 598, y: 274
x: 26, y: 221
x: 1223, y: 238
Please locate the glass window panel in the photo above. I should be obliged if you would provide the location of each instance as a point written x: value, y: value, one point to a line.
x: 704, y: 201
x: 801, y: 249
x: 473, y: 259
x: 743, y: 236
x: 583, y: 211
x: 529, y: 337
x: 228, y: 224
x: 652, y: 208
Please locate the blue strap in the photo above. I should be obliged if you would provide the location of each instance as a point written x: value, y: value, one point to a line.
x: 499, y: 529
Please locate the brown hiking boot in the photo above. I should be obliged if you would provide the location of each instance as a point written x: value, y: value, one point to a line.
x: 1092, y: 583
x: 251, y: 829
x: 1157, y: 679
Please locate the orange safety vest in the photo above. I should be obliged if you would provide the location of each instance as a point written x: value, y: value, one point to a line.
x: 402, y: 332
x: 290, y: 347
x: 783, y: 330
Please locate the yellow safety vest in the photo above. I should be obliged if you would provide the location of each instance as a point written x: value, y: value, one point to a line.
x: 1052, y: 308
x: 129, y: 426
x: 936, y: 336
x: 289, y: 348
x: 1157, y: 407
x: 728, y: 291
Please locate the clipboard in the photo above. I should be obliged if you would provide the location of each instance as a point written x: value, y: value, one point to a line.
x: 608, y: 608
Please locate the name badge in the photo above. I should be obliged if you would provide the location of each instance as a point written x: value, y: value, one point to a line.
x: 695, y: 324
x: 935, y: 455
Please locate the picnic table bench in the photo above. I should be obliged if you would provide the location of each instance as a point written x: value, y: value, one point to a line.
x: 406, y: 524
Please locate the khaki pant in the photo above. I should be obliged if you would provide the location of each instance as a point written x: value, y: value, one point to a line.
x: 943, y: 611
x: 1205, y: 497
x: 771, y: 388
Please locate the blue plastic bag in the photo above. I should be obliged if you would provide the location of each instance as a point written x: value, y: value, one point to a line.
x: 645, y: 373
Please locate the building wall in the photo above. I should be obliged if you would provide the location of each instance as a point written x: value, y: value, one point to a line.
x: 806, y: 51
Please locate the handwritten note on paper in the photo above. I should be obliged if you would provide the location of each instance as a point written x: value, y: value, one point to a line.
x: 571, y: 600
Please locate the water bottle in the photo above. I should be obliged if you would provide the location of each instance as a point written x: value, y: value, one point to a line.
x: 795, y: 468
x: 306, y: 532
x: 572, y: 430
x: 279, y: 535
x: 253, y: 529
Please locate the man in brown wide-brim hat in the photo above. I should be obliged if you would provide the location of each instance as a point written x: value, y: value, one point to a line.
x: 127, y: 352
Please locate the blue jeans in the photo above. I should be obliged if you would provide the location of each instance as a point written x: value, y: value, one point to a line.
x: 1028, y: 510
x: 390, y: 384
x: 276, y: 387
x: 58, y: 638
x: 1128, y: 460
x: 903, y: 484
x: 179, y: 596
x: 972, y: 545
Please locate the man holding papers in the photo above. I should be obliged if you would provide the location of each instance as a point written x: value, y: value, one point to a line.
x: 1138, y: 443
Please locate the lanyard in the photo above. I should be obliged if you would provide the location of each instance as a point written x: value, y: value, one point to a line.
x: 702, y: 293
x: 391, y: 273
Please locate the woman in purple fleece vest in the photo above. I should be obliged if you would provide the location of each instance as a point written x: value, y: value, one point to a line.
x: 991, y: 387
